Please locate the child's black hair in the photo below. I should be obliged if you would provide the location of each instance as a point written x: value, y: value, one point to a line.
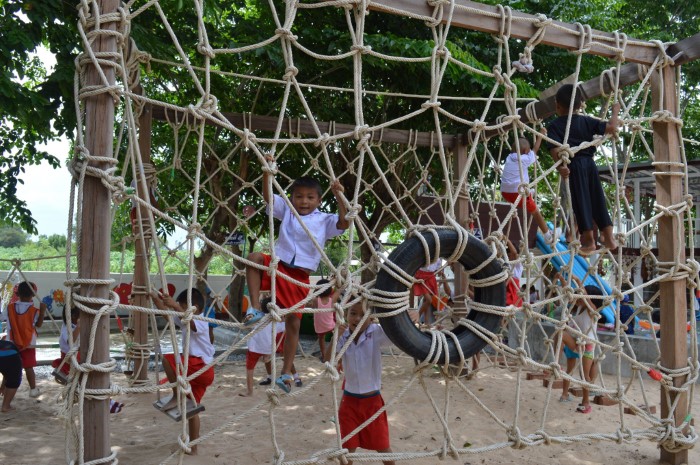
x: 74, y: 313
x: 326, y: 292
x: 24, y: 290
x: 595, y: 294
x: 566, y: 93
x: 197, y: 298
x: 307, y: 181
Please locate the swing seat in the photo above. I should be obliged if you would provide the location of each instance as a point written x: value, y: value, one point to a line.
x: 60, y: 377
x: 174, y: 413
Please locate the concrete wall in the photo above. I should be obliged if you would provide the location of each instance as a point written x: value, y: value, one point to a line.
x: 643, y: 348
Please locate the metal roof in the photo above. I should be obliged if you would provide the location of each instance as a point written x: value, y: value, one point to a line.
x: 643, y: 173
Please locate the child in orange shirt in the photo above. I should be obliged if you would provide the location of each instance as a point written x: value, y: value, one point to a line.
x: 22, y: 320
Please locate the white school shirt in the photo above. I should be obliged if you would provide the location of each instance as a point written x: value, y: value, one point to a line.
x: 200, y: 345
x: 433, y: 267
x: 293, y: 245
x: 517, y: 271
x: 510, y: 179
x: 261, y: 342
x: 584, y: 322
x: 362, y: 362
x: 20, y: 308
x: 63, y: 342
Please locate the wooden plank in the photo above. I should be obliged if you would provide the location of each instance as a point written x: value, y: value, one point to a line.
x: 486, y: 18
x: 95, y: 237
x: 142, y: 252
x: 669, y: 191
x: 302, y: 127
x: 544, y: 108
x: 689, y: 47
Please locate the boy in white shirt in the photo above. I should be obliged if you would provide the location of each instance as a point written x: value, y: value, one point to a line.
x: 299, y: 256
x: 362, y: 364
x: 201, y: 354
x: 512, y: 179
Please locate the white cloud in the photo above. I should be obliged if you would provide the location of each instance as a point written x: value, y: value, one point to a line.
x: 47, y: 191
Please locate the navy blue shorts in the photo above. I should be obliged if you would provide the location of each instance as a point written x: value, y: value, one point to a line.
x: 11, y: 369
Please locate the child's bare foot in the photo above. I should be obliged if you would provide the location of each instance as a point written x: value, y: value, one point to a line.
x: 245, y: 393
x: 8, y: 409
x: 587, y: 250
x: 609, y: 244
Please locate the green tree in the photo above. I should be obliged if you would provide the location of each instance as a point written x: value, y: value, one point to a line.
x: 12, y: 237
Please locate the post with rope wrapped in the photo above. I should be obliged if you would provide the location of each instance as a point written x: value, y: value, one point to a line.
x: 671, y: 243
x: 95, y: 233
x: 141, y: 229
x: 461, y: 211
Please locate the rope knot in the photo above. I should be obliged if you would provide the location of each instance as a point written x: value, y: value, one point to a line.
x: 429, y: 104
x: 362, y: 132
x: 361, y: 49
x: 206, y: 50
x: 273, y: 397
x: 290, y: 72
x: 331, y: 371
x: 542, y: 20
x: 275, y: 312
x: 285, y: 33
x: 194, y: 230
x: 353, y: 212
x: 322, y: 141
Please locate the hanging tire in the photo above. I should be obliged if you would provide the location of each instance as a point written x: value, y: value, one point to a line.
x: 410, y: 256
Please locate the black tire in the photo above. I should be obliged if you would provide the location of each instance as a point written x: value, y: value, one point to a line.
x: 410, y: 256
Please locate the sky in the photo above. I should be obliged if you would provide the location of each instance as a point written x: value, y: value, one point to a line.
x: 47, y: 190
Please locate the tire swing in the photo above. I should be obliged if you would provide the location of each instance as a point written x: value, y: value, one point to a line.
x: 409, y: 256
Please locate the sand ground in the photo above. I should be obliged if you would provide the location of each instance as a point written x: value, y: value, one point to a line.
x: 34, y: 433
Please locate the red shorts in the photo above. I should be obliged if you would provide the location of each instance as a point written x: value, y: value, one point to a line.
x: 28, y: 357
x: 428, y: 286
x: 199, y: 384
x: 66, y: 366
x: 511, y: 197
x: 512, y: 297
x: 353, y: 412
x: 279, y: 341
x: 251, y: 359
x: 288, y: 293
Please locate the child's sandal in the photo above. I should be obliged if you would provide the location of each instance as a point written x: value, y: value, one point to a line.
x: 281, y: 382
x: 584, y: 409
x: 252, y: 316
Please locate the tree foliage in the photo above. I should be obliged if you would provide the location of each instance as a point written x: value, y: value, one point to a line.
x: 12, y: 237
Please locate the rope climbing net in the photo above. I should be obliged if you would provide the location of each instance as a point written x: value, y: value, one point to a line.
x: 424, y: 171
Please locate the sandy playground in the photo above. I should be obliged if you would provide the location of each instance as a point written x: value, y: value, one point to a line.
x: 34, y: 433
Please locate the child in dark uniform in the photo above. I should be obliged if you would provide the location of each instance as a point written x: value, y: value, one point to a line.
x: 587, y: 196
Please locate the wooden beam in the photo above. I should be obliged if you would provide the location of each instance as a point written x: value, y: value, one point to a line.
x: 688, y: 47
x: 298, y: 126
x: 142, y: 247
x: 487, y: 18
x: 673, y: 293
x: 95, y: 233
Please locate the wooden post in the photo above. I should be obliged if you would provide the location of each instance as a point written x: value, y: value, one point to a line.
x: 669, y: 191
x: 142, y: 251
x: 95, y: 235
x: 461, y: 210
